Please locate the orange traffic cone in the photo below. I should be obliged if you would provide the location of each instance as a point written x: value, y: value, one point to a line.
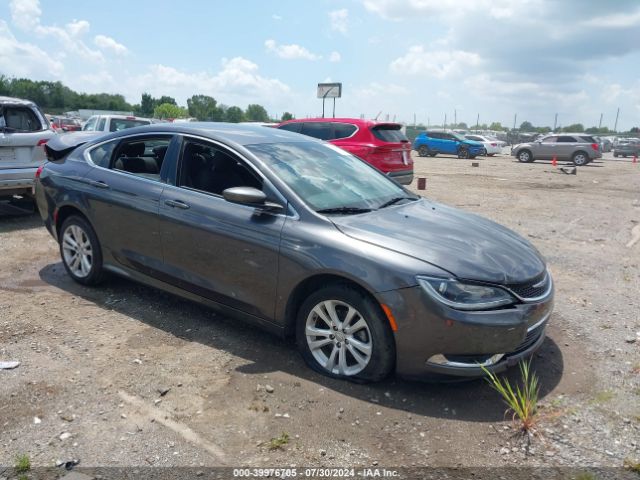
x: 554, y: 162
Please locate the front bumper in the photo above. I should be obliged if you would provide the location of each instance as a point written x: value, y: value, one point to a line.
x: 435, y: 340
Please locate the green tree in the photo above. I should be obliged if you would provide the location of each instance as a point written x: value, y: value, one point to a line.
x: 496, y: 126
x: 234, y: 115
x: 147, y: 104
x: 576, y: 127
x: 169, y: 110
x: 287, y: 116
x: 256, y: 113
x: 165, y: 99
x: 526, y: 127
x: 204, y: 107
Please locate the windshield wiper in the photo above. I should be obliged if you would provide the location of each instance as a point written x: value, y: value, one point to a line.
x: 344, y: 210
x: 396, y: 200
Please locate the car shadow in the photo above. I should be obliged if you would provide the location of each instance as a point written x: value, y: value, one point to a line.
x: 472, y: 400
x: 547, y: 163
x: 18, y: 215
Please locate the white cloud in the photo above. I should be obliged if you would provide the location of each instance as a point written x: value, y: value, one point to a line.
x: 339, y: 20
x: 436, y: 63
x: 237, y: 82
x: 290, y: 52
x: 275, y: 16
x: 108, y: 43
x: 614, y: 20
x: 22, y: 59
x: 335, y: 57
x: 25, y: 14
x: 408, y: 9
x: 376, y: 90
x: 78, y: 28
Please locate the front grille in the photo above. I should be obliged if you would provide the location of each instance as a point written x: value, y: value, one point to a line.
x: 533, y: 289
x: 531, y: 338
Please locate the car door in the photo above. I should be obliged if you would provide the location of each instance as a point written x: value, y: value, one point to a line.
x: 123, y: 198
x: 449, y: 144
x: 220, y: 250
x: 435, y: 141
x: 566, y: 146
x: 546, y: 149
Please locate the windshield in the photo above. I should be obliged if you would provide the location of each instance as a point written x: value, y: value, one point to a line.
x: 326, y: 177
x: 458, y: 136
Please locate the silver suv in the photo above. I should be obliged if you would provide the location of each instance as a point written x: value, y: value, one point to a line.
x: 577, y: 147
x: 23, y: 132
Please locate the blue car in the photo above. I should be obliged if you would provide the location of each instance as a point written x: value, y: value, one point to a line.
x: 431, y: 143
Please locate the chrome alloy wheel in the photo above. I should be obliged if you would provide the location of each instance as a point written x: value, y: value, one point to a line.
x: 339, y: 338
x: 77, y: 251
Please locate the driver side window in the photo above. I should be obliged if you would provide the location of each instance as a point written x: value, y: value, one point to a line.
x: 210, y: 169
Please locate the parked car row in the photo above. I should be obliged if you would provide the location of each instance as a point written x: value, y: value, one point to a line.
x: 627, y: 148
x: 579, y: 148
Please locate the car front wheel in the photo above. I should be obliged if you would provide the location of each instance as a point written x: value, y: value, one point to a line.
x: 423, y: 151
x: 463, y: 153
x: 80, y: 251
x: 525, y: 156
x: 343, y: 333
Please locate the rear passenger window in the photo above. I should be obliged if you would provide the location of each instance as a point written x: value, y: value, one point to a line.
x: 549, y: 140
x: 101, y: 155
x: 141, y: 156
x: 321, y: 130
x: 19, y: 119
x: 291, y: 127
x: 566, y: 139
x: 343, y: 130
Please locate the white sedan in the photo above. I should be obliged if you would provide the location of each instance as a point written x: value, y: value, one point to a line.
x: 491, y: 145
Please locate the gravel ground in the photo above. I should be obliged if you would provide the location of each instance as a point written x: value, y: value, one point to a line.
x: 125, y: 375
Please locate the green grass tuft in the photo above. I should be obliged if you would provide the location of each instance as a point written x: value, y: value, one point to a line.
x: 278, y: 443
x: 523, y: 400
x: 23, y: 464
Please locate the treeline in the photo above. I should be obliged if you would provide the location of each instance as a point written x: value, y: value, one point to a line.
x: 56, y: 98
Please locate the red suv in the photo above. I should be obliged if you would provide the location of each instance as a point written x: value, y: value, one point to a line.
x: 382, y: 144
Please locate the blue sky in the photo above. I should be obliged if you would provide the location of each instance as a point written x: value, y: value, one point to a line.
x: 535, y: 58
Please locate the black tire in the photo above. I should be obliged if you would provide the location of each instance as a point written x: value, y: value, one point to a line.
x: 615, y: 155
x: 463, y: 153
x: 378, y: 333
x: 490, y: 154
x: 471, y: 157
x: 423, y: 151
x: 580, y: 159
x: 433, y: 154
x: 525, y: 156
x: 95, y: 273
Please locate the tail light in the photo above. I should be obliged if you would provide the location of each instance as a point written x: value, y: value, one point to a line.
x: 595, y: 146
x: 494, y: 144
x: 39, y: 171
x: 41, y: 142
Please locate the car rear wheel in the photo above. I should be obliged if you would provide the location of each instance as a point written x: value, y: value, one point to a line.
x: 580, y: 159
x: 525, y: 156
x: 423, y: 151
x: 80, y: 251
x: 342, y: 333
x: 463, y: 153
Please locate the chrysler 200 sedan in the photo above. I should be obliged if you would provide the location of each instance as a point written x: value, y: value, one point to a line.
x: 302, y: 238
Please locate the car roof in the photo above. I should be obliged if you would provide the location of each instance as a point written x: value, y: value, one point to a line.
x: 239, y: 134
x: 16, y: 101
x: 356, y: 121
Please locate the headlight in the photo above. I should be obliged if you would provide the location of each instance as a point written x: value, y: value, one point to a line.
x: 465, y: 296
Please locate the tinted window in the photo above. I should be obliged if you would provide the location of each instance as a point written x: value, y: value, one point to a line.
x: 389, y: 133
x: 101, y: 155
x: 210, y: 169
x: 291, y: 127
x: 344, y: 130
x: 433, y: 134
x: 325, y: 176
x: 141, y: 156
x: 19, y: 119
x: 101, y: 124
x: 588, y: 139
x: 549, y: 140
x: 474, y: 138
x: 321, y: 130
x: 566, y: 139
x: 118, y: 124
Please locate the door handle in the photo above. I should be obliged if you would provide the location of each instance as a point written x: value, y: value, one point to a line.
x: 98, y: 183
x: 176, y: 204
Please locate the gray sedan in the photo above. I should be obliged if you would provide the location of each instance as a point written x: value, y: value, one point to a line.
x: 302, y: 238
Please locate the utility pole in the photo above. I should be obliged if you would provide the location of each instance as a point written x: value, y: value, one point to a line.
x: 444, y: 126
x: 555, y: 123
x: 615, y: 127
x: 515, y: 117
x: 600, y: 122
x: 455, y: 118
x: 428, y: 122
x: 477, y: 122
x: 414, y: 121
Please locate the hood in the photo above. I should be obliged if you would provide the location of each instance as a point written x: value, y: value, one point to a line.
x: 466, y: 245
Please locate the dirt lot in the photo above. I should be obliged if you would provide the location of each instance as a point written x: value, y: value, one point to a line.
x: 94, y: 361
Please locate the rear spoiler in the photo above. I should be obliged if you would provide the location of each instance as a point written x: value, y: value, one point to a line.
x: 62, y: 145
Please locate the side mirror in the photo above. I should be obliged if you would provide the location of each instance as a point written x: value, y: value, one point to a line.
x: 249, y: 196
